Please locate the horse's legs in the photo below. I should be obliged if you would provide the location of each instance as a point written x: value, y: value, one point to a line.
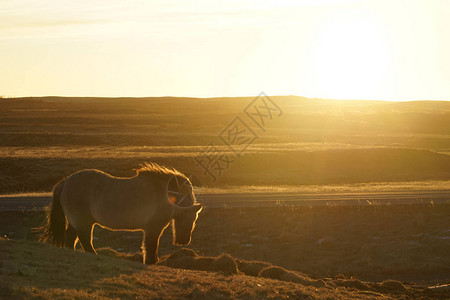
x: 151, y: 242
x: 71, y: 236
x: 85, y: 238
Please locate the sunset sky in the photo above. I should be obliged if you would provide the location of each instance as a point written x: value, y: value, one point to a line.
x: 388, y: 50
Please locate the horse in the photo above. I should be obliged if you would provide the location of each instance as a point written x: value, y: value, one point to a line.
x: 140, y: 203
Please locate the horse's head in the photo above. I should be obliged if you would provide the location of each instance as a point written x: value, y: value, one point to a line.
x: 184, y: 223
x: 181, y: 194
x: 180, y: 191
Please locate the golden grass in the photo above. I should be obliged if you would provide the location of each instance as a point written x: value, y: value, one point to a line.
x: 315, y: 142
x: 288, y: 168
x: 163, y: 151
x: 317, y: 146
x: 428, y: 185
x: 401, y: 242
x: 30, y: 270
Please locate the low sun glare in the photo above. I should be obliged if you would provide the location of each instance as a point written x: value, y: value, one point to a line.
x: 351, y: 56
x: 391, y: 50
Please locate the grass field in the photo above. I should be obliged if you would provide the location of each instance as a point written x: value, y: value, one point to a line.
x: 358, y: 252
x: 372, y: 251
x: 30, y: 274
x: 314, y: 142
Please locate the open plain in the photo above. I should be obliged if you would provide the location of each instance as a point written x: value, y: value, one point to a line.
x: 315, y: 148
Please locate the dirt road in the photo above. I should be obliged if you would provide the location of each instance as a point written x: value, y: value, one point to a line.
x: 17, y: 203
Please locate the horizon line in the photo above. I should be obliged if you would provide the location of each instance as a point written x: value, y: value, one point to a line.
x: 218, y: 97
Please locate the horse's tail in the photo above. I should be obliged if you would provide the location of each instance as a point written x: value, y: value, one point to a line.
x: 54, y: 226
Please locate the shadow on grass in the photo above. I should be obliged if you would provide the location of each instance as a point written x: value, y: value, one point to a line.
x: 27, y: 264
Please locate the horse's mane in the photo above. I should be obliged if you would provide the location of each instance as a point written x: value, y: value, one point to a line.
x: 162, y: 172
x: 158, y: 170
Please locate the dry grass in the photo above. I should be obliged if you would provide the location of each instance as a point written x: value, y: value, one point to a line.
x: 374, y: 243
x: 300, y: 252
x: 429, y: 185
x: 334, y: 167
x: 328, y: 188
x: 30, y: 270
x: 316, y: 146
x: 315, y: 142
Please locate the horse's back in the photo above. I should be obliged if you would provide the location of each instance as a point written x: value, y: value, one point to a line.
x: 80, y: 189
x: 111, y: 201
x: 89, y: 174
x: 84, y: 183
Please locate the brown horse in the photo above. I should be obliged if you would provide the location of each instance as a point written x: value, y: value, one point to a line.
x: 142, y: 202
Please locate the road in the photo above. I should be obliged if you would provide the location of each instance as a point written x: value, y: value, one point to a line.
x: 27, y: 203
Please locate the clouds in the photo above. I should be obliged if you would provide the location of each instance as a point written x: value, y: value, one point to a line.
x: 48, y: 18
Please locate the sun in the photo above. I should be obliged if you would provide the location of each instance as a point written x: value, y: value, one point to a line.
x: 350, y: 57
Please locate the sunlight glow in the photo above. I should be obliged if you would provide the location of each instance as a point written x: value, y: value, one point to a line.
x: 351, y: 56
x: 371, y: 49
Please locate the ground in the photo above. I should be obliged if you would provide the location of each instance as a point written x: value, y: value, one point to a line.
x: 371, y: 251
x: 357, y: 252
x: 312, y: 142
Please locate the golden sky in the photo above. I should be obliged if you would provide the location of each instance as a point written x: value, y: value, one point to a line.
x: 392, y: 50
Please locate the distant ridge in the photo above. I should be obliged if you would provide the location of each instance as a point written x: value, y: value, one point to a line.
x: 238, y: 98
